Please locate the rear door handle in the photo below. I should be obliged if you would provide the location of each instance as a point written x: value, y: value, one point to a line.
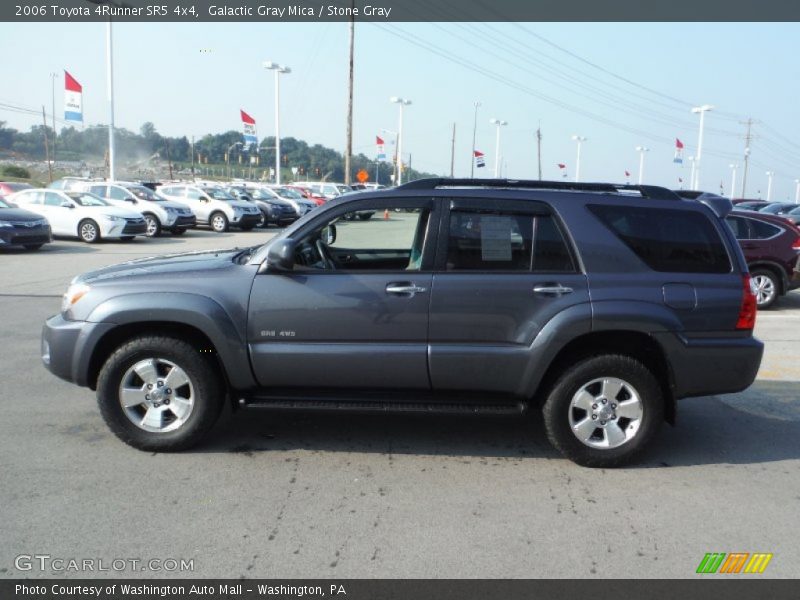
x: 405, y: 288
x: 552, y: 290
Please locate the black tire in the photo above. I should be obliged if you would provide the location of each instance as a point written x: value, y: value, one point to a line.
x: 177, y: 231
x: 206, y: 389
x: 153, y: 225
x: 32, y: 246
x: 218, y: 222
x: 88, y: 231
x: 768, y: 288
x: 558, y: 411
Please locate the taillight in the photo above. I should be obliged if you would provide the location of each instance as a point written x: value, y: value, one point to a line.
x: 747, y: 312
x: 796, y: 244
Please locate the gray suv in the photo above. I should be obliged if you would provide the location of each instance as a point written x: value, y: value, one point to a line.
x: 601, y: 305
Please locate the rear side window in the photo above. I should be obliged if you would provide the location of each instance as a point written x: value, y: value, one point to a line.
x: 667, y: 240
x: 762, y: 231
x: 506, y: 242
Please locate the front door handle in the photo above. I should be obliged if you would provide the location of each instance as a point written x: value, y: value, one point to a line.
x: 555, y: 289
x: 405, y: 288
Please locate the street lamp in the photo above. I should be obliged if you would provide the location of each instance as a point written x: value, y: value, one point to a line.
x: 702, y: 110
x: 278, y: 69
x: 498, y: 123
x: 109, y: 88
x: 797, y: 191
x: 401, y: 102
x: 228, y: 156
x: 641, y: 150
x: 769, y: 185
x: 733, y: 168
x: 476, y: 104
x: 691, y: 160
x: 580, y: 139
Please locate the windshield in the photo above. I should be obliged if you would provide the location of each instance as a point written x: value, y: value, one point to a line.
x: 774, y: 209
x: 218, y: 194
x: 289, y: 193
x: 795, y: 211
x: 144, y: 193
x: 259, y: 194
x: 86, y: 199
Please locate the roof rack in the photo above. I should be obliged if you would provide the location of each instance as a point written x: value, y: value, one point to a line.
x: 646, y: 191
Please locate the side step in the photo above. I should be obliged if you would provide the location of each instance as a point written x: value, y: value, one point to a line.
x: 379, y: 406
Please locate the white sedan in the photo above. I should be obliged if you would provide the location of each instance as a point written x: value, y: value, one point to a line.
x: 81, y: 214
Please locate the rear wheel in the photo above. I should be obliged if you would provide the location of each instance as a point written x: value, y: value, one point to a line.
x: 88, y: 231
x: 219, y: 222
x: 153, y: 225
x: 604, y: 411
x: 158, y: 393
x: 767, y: 287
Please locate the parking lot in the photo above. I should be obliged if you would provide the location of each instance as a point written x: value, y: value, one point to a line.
x: 344, y: 496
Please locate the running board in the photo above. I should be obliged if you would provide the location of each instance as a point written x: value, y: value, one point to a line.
x: 366, y: 406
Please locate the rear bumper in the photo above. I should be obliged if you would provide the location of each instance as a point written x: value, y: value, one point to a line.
x: 707, y: 366
x: 66, y: 347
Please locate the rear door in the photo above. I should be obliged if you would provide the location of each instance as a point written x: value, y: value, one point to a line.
x: 354, y: 312
x: 504, y: 269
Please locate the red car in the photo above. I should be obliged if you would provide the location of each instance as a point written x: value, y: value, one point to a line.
x: 771, y: 246
x: 307, y: 193
x: 9, y: 187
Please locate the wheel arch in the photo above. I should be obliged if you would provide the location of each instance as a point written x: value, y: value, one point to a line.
x: 774, y: 268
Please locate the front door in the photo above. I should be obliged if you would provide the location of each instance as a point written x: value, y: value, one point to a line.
x: 354, y: 311
x: 62, y: 218
x: 504, y: 271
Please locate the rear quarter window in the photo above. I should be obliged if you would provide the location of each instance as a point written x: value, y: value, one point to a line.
x: 667, y: 240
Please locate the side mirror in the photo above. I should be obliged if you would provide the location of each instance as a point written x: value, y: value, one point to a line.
x: 132, y: 200
x: 329, y: 234
x: 281, y: 255
x: 67, y: 204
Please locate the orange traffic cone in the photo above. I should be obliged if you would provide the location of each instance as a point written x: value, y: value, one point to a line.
x: 386, y: 214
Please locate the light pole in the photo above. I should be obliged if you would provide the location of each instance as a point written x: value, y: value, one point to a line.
x: 797, y: 191
x: 580, y: 139
x: 733, y: 168
x: 702, y: 110
x: 401, y: 102
x: 278, y: 69
x: 476, y: 104
x: 498, y: 123
x: 641, y: 150
x: 691, y: 160
x: 109, y: 88
x: 769, y: 185
x: 228, y: 156
x: 53, y: 77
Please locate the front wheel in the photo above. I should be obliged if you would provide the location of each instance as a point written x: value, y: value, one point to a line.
x: 603, y: 411
x: 158, y: 393
x: 88, y: 231
x: 767, y: 287
x: 219, y: 222
x: 153, y: 226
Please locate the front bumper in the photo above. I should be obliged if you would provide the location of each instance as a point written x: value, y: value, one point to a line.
x: 25, y: 235
x: 247, y: 220
x: 184, y: 222
x: 66, y: 347
x: 709, y: 366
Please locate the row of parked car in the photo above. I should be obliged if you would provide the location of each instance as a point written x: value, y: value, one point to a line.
x: 92, y: 210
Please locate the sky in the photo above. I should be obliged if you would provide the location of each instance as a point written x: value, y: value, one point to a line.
x: 620, y: 85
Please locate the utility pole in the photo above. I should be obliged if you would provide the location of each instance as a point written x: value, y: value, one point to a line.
x: 169, y: 160
x: 192, y: 158
x: 53, y: 77
x: 47, y: 147
x: 453, y: 152
x: 539, y: 148
x: 349, y: 146
x: 747, y: 139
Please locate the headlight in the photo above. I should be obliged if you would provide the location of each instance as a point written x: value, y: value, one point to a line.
x: 171, y: 211
x: 114, y: 218
x: 4, y: 225
x: 74, y: 292
x: 42, y: 222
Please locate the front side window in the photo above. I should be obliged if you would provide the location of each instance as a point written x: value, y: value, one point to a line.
x: 357, y: 242
x: 489, y: 241
x: 118, y: 193
x: 53, y: 199
x: 667, y: 240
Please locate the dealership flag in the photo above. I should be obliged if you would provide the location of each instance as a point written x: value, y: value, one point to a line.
x: 249, y: 126
x: 678, y: 152
x: 381, y: 153
x: 479, y: 159
x: 563, y: 168
x: 73, y: 99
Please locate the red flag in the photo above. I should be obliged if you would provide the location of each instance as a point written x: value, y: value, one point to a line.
x: 247, y: 118
x: 627, y: 174
x: 680, y: 180
x: 678, y: 144
x: 378, y: 141
x: 71, y: 84
x: 562, y: 166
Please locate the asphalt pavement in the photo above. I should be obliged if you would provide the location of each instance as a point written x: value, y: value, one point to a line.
x: 279, y: 495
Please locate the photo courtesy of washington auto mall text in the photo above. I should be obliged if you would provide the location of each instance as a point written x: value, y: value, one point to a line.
x: 399, y: 299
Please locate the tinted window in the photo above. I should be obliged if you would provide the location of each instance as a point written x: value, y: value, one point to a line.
x: 53, y: 199
x: 506, y: 242
x: 762, y: 231
x: 117, y: 193
x: 739, y: 227
x: 99, y: 190
x: 667, y: 240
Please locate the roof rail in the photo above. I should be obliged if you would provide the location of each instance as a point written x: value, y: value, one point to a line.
x: 646, y: 191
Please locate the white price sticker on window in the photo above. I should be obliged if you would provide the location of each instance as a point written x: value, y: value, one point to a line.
x: 495, y: 238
